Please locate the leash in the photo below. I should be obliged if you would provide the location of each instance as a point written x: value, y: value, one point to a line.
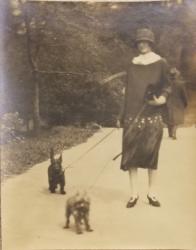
x: 131, y: 127
x: 99, y: 174
x: 90, y: 149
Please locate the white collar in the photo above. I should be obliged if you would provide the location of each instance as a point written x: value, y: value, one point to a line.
x: 145, y: 59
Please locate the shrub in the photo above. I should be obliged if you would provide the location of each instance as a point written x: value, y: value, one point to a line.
x: 10, y: 126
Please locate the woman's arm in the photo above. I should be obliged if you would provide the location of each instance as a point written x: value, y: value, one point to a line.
x: 165, y: 84
x: 121, y: 115
x: 164, y: 87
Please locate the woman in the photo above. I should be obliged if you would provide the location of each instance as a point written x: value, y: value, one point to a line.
x: 146, y: 93
x: 176, y: 104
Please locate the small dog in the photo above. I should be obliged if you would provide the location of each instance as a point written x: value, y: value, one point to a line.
x: 78, y: 206
x: 56, y: 174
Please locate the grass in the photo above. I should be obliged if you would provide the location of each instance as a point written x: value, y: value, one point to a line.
x: 17, y: 157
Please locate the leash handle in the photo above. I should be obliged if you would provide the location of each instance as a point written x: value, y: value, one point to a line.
x: 116, y: 157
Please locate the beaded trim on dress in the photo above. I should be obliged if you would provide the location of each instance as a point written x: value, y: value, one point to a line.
x: 145, y: 59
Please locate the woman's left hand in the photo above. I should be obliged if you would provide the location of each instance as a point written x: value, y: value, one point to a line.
x: 156, y: 101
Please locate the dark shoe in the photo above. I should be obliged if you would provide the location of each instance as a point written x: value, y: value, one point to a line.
x: 153, y: 201
x: 132, y: 202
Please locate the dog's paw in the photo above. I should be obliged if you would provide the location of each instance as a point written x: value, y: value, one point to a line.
x: 79, y: 232
x: 89, y: 230
x: 63, y: 192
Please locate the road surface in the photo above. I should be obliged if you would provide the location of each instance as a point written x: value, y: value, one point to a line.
x: 33, y: 219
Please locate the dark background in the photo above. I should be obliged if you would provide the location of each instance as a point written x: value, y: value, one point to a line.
x: 56, y: 55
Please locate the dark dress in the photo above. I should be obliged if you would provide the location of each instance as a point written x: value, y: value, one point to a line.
x: 142, y: 135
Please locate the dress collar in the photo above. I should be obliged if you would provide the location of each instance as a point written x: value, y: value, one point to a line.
x: 146, y: 59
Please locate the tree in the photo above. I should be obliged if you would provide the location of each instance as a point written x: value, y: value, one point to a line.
x: 67, y: 49
x: 20, y: 8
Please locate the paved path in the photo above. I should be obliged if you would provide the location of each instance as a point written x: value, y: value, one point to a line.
x: 34, y: 219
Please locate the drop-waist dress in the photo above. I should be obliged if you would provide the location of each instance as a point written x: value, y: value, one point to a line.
x: 142, y: 123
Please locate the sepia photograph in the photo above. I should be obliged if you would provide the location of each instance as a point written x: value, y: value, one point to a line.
x: 98, y: 124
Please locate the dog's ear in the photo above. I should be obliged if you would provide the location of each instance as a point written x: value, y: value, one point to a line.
x: 60, y: 158
x: 52, y: 155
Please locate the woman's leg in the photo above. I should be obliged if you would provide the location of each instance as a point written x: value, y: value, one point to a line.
x: 134, y: 187
x: 152, y: 185
x: 152, y: 182
x: 133, y: 182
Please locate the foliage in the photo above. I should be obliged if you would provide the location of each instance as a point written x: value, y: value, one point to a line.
x: 73, y: 46
x: 19, y: 156
x: 81, y: 101
x: 10, y: 125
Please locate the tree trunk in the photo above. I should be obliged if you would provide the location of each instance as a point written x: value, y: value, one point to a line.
x: 36, y: 108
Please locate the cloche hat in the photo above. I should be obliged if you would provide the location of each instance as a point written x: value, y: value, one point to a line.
x: 145, y: 35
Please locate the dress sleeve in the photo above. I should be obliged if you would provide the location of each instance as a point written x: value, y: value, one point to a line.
x: 165, y: 88
x: 123, y: 104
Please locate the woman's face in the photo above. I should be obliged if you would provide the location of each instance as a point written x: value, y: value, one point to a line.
x: 143, y: 47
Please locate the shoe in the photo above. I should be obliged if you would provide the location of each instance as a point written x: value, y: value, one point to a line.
x: 153, y: 201
x: 132, y: 201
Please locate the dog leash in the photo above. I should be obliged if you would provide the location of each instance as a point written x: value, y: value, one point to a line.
x: 126, y: 134
x: 131, y: 127
x: 90, y: 149
x: 99, y: 174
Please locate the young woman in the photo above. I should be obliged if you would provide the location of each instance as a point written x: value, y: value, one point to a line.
x: 146, y: 92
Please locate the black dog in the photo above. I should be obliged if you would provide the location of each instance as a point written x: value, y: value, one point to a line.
x: 78, y: 206
x: 56, y: 174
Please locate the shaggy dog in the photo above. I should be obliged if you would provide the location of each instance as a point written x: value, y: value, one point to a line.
x: 56, y: 174
x: 78, y: 206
